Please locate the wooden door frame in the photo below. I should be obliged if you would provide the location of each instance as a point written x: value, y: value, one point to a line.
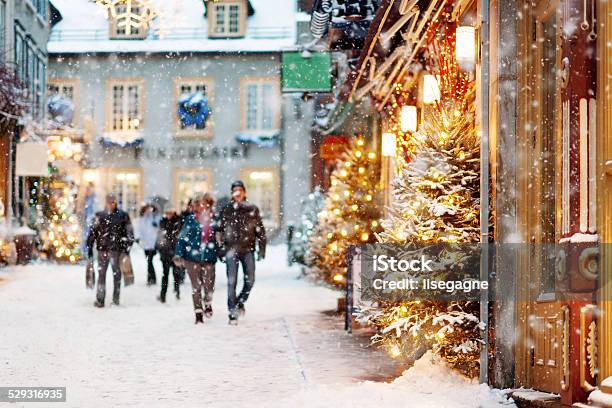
x: 604, y: 186
x: 529, y: 188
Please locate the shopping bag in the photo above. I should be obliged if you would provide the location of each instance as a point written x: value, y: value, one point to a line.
x: 90, y: 274
x: 125, y: 265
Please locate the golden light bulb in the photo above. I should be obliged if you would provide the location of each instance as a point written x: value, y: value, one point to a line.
x: 361, y: 170
x: 343, y: 233
x: 343, y: 173
x: 72, y: 258
x: 329, y: 235
x: 395, y: 351
x: 365, y: 236
x: 368, y: 197
x: 347, y: 193
x: 338, y: 278
x: 337, y: 211
x: 360, y: 142
x: 375, y: 223
x: 354, y: 207
x: 371, y: 156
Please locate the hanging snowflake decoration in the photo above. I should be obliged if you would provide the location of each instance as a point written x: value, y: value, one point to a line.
x: 130, y: 15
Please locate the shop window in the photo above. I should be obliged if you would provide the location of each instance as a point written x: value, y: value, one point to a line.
x: 227, y: 19
x: 189, y: 183
x: 2, y: 30
x: 127, y: 186
x: 125, y: 105
x: 262, y: 185
x: 193, y: 102
x: 260, y: 105
x: 548, y: 120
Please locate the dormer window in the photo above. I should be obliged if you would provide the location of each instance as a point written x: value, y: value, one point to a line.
x: 129, y: 20
x: 227, y: 18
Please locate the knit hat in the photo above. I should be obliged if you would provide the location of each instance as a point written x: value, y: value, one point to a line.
x: 238, y: 183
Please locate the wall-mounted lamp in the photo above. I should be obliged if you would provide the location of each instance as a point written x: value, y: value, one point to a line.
x: 388, y: 145
x: 431, y: 89
x: 465, y: 47
x: 408, y: 118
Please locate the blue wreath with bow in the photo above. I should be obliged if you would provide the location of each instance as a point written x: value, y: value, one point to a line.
x: 193, y: 109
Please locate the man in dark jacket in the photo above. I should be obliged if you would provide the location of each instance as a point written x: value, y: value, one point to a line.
x: 112, y: 232
x: 240, y: 232
x: 169, y: 228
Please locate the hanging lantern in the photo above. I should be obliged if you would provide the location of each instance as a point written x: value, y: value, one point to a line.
x: 388, y: 144
x: 431, y: 90
x: 408, y: 119
x: 465, y: 47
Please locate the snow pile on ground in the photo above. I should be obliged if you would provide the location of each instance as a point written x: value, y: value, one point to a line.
x: 429, y: 383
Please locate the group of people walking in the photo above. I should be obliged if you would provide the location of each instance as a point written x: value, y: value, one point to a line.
x: 190, y: 242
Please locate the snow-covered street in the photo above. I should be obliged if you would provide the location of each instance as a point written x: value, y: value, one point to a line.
x: 143, y: 353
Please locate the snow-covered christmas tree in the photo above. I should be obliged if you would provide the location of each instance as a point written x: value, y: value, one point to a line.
x: 309, y: 217
x: 60, y: 230
x: 436, y: 200
x: 350, y: 215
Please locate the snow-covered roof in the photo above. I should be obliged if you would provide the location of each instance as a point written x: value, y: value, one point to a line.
x: 180, y: 27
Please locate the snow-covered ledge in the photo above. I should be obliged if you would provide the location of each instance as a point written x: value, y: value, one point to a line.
x: 602, y: 397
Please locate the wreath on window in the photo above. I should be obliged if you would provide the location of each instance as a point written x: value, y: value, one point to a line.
x: 193, y: 110
x: 60, y: 109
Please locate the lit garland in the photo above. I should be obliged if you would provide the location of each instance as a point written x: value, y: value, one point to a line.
x: 350, y: 214
x: 136, y: 14
x: 62, y: 148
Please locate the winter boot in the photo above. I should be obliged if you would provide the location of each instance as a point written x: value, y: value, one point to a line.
x: 233, y: 320
x: 162, y: 298
x: 178, y: 295
x: 208, y: 311
x: 241, y: 310
x: 199, y: 318
x: 98, y: 304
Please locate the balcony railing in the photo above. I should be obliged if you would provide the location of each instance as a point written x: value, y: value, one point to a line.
x: 178, y: 33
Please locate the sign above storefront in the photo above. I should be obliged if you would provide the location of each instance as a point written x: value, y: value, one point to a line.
x: 306, y: 72
x: 333, y: 146
x: 193, y: 153
x: 32, y: 160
